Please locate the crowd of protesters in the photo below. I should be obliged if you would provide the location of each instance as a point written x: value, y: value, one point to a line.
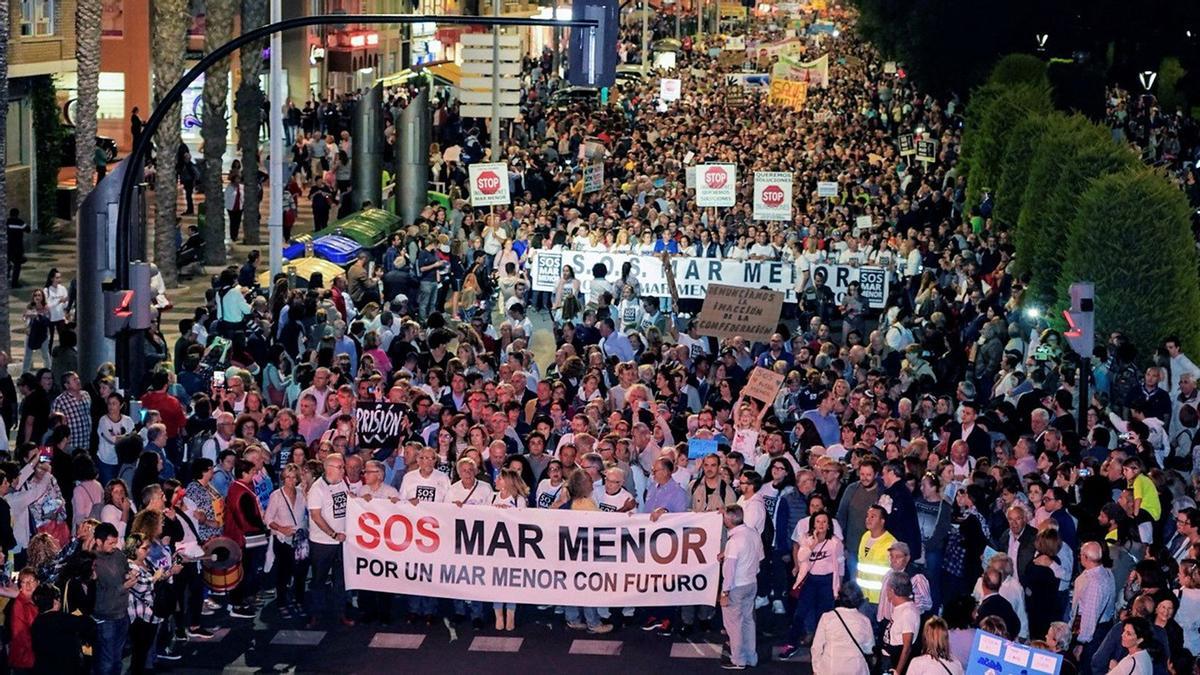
x: 924, y: 471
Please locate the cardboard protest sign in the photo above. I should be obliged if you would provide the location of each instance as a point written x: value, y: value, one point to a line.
x: 730, y: 311
x: 377, y: 424
x: 763, y: 385
x: 593, y: 177
x: 827, y: 188
x: 786, y: 93
x: 907, y: 144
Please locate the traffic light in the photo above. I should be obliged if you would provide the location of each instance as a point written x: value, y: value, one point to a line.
x: 143, y: 297
x: 117, y: 310
x: 593, y: 52
x: 1081, y: 318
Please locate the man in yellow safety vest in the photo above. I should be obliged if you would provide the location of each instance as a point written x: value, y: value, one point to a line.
x: 873, y: 559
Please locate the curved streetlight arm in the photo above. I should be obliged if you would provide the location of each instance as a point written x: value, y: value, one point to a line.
x: 133, y: 175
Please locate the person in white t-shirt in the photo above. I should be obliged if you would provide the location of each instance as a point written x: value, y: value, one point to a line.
x: 614, y: 497
x: 936, y: 658
x: 551, y: 487
x: 375, y: 606
x: 426, y: 484
x: 511, y: 493
x: 328, y: 498
x: 900, y: 637
x: 469, y: 491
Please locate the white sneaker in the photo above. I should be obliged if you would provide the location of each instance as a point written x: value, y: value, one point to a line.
x: 777, y: 607
x: 761, y: 601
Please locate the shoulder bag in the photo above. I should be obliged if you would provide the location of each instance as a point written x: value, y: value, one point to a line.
x: 872, y: 661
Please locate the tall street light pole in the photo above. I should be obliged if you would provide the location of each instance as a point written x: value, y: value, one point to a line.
x: 495, y: 84
x: 275, y: 169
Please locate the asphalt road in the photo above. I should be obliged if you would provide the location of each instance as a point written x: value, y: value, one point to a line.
x: 541, y: 644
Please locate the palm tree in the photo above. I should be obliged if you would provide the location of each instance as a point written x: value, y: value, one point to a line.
x: 87, y: 53
x: 249, y: 105
x: 4, y: 278
x: 214, y: 128
x: 171, y: 19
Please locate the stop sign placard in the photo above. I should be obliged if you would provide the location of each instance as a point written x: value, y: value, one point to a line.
x: 489, y: 184
x: 716, y: 184
x: 715, y: 177
x: 772, y: 195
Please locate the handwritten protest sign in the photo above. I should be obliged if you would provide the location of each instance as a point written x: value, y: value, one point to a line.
x: 730, y: 311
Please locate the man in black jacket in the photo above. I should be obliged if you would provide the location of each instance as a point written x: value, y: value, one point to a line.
x: 1017, y: 540
x: 978, y: 441
x: 994, y: 604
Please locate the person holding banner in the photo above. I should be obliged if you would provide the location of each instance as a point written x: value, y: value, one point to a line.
x: 579, y: 489
x: 469, y: 491
x: 511, y: 493
x: 327, y: 500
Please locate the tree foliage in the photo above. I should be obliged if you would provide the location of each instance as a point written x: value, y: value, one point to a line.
x: 1020, y: 69
x: 49, y: 133
x: 1131, y: 236
x: 249, y: 104
x: 1040, y: 173
x: 992, y: 112
x: 171, y: 19
x: 1014, y: 167
x: 215, y: 127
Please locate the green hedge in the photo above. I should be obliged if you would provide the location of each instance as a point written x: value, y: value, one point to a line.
x: 1020, y: 69
x: 992, y: 112
x: 1131, y: 236
x: 1024, y: 140
x: 1062, y: 137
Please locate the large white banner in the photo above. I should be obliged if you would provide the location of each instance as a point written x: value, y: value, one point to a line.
x: 489, y: 184
x: 772, y: 195
x: 693, y: 275
x: 534, y: 556
x: 716, y: 185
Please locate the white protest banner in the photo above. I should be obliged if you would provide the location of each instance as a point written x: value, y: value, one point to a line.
x: 827, y: 188
x: 732, y: 311
x: 862, y: 223
x: 772, y: 195
x: 489, y: 184
x: 693, y: 275
x: 670, y: 89
x: 573, y: 558
x: 716, y: 184
x: 377, y: 424
x: 593, y: 177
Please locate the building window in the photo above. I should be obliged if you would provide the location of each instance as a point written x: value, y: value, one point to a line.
x: 110, y: 101
x: 20, y: 133
x: 38, y: 17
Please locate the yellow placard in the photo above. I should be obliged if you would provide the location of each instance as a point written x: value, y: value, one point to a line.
x: 788, y: 93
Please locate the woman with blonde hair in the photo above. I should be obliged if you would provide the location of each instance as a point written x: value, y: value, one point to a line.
x: 935, y: 658
x: 511, y: 493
